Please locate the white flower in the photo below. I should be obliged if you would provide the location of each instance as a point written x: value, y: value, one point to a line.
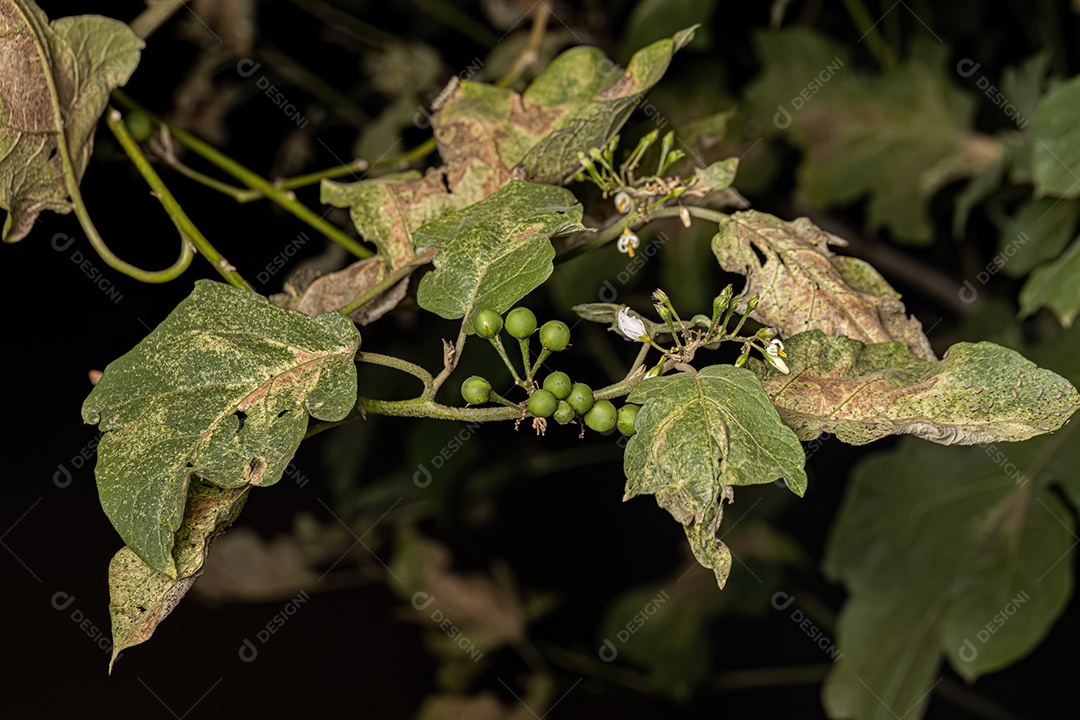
x: 623, y: 203
x: 684, y: 215
x: 628, y: 242
x: 632, y: 327
x: 775, y: 354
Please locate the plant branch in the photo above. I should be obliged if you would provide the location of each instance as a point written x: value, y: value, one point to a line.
x: 865, y: 24
x: 531, y: 52
x: 189, y: 234
x: 397, y: 364
x: 154, y: 16
x: 283, y: 198
x: 450, y: 361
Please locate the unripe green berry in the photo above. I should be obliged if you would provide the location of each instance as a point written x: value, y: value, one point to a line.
x: 564, y: 413
x: 580, y: 397
x: 521, y: 323
x: 554, y: 335
x: 542, y: 403
x: 601, y: 416
x: 475, y: 390
x: 627, y: 415
x: 558, y: 384
x: 487, y: 323
x: 139, y: 125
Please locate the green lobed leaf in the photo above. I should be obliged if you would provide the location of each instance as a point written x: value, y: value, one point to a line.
x: 945, y: 552
x: 1055, y: 155
x: 221, y: 390
x: 55, y: 85
x: 579, y: 102
x: 980, y: 392
x: 494, y: 252
x: 697, y: 436
x: 1055, y: 285
x: 140, y: 597
x: 804, y: 286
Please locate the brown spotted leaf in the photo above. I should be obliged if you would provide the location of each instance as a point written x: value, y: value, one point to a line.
x: 804, y: 286
x: 140, y: 597
x: 54, y: 85
x: 221, y: 390
x: 388, y: 210
x: 337, y: 289
x: 980, y: 392
x: 579, y: 102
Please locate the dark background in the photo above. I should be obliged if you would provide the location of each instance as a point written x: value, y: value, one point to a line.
x: 346, y: 653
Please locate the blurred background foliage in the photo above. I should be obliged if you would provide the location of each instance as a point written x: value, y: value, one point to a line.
x: 939, y: 139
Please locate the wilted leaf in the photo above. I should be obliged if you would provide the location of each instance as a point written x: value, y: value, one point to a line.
x: 944, y: 551
x: 979, y: 393
x: 700, y: 434
x: 388, y: 210
x: 804, y: 286
x: 1055, y: 285
x: 579, y: 102
x: 1055, y: 154
x: 337, y: 289
x: 55, y: 85
x: 140, y: 597
x: 484, y: 607
x: 493, y: 253
x: 896, y: 137
x: 221, y: 389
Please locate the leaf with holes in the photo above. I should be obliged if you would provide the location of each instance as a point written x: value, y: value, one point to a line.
x: 954, y: 552
x: 804, y: 286
x: 493, y: 253
x: 699, y: 435
x: 140, y: 597
x: 55, y: 85
x: 221, y: 390
x: 980, y: 392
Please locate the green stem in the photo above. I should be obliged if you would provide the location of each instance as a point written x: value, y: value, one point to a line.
x: 544, y: 353
x: 451, y: 356
x: 496, y: 342
x: 613, y: 231
x: 154, y: 16
x: 865, y: 24
x: 425, y: 407
x: 188, y: 232
x: 397, y: 364
x: 531, y: 52
x: 526, y: 356
x: 283, y: 198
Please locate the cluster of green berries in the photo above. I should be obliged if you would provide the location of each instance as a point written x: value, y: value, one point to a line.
x: 521, y: 323
x: 559, y: 398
